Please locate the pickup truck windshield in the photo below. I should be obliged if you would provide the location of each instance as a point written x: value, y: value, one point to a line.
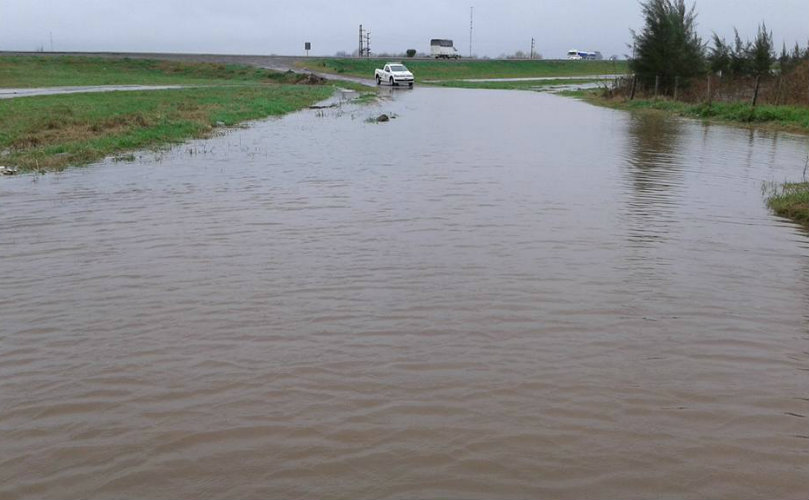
x: 398, y: 67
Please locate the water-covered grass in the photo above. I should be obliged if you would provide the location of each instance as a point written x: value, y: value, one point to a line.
x: 52, y: 132
x: 468, y: 68
x: 792, y: 118
x: 511, y: 85
x: 791, y: 200
x: 784, y: 116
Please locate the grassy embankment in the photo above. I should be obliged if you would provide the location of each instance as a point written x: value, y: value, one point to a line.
x: 792, y: 201
x: 789, y: 118
x: 451, y: 73
x: 52, y: 132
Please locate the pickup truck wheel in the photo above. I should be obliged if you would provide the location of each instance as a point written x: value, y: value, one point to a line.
x: 410, y: 85
x: 391, y: 82
x: 378, y: 80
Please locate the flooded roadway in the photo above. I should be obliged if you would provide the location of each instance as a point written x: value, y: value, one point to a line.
x: 495, y: 295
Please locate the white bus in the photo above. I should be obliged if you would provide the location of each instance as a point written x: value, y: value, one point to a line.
x: 578, y: 55
x: 443, y: 49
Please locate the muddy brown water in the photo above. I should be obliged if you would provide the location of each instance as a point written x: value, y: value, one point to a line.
x: 494, y: 295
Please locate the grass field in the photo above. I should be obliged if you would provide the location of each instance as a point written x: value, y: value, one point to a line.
x: 52, y: 132
x: 31, y: 71
x: 789, y: 118
x: 463, y: 69
x: 792, y: 201
x: 786, y: 117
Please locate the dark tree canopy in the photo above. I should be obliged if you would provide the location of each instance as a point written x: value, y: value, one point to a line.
x: 746, y: 58
x: 720, y: 55
x: 668, y: 46
x: 762, y: 52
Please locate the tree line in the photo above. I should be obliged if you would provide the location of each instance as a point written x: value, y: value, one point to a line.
x: 668, y: 53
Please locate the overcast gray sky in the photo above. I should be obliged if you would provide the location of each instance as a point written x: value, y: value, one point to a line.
x: 282, y: 27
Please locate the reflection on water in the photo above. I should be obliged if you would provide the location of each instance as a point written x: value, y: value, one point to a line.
x: 655, y: 175
x: 495, y: 295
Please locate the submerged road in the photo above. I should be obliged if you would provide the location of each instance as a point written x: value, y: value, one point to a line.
x: 531, y: 79
x: 466, y: 301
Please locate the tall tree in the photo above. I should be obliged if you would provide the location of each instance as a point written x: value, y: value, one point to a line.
x: 762, y: 54
x: 668, y: 46
x: 739, y: 58
x: 719, y: 55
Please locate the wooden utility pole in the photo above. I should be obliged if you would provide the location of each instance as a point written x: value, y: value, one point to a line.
x: 361, y: 50
x: 657, y: 85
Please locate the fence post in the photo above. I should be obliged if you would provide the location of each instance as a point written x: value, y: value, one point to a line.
x: 755, y: 92
x: 780, y: 95
x: 676, y: 86
x: 657, y: 85
x: 634, y: 84
x: 710, y: 94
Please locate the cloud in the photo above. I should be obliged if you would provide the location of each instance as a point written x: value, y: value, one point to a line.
x: 281, y: 27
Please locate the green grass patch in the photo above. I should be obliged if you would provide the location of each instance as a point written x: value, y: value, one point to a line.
x: 61, y: 71
x: 463, y: 69
x: 51, y: 132
x: 791, y: 118
x: 792, y: 201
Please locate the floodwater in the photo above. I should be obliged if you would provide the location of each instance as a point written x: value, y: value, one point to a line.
x: 494, y: 295
x: 538, y: 78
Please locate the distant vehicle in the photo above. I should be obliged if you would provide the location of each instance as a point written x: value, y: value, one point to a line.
x: 579, y: 55
x: 443, y: 49
x: 394, y: 74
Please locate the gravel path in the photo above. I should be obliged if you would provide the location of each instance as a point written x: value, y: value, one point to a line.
x: 15, y: 93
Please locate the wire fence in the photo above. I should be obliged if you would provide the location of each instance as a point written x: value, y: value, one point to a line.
x: 788, y: 89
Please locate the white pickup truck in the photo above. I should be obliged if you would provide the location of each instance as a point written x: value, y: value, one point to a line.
x: 394, y: 74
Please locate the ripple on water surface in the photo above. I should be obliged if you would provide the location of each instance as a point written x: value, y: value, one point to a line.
x: 496, y: 295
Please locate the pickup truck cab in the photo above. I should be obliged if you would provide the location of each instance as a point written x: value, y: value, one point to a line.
x: 394, y: 74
